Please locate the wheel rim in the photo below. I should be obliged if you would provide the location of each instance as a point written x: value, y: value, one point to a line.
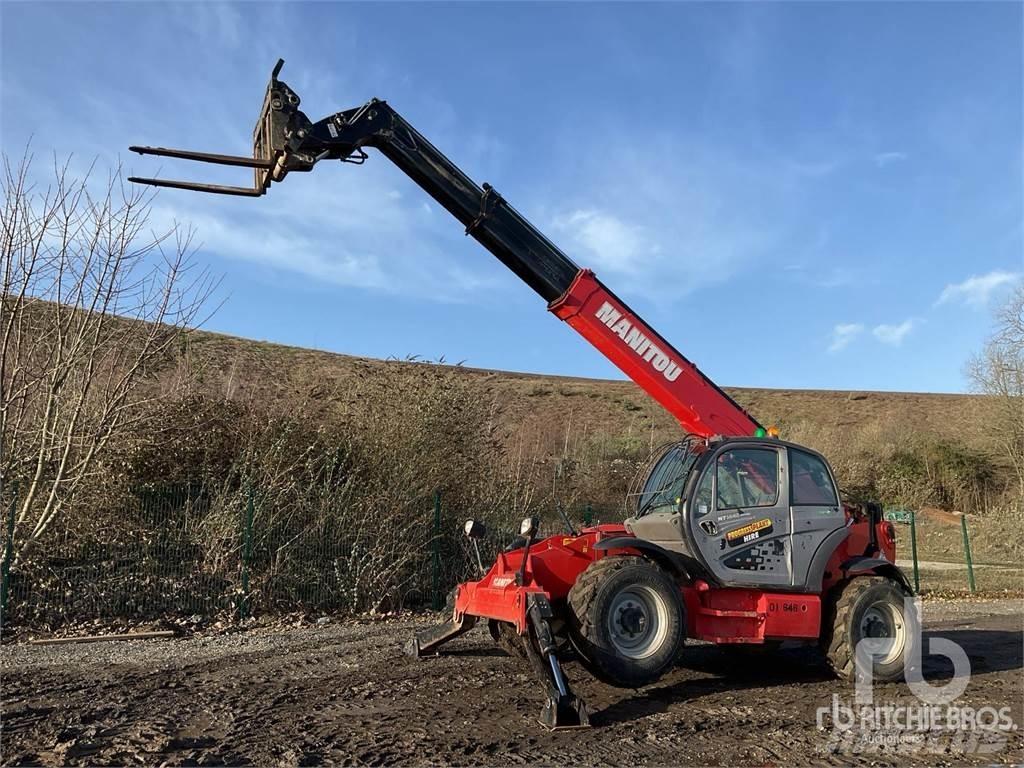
x: 883, y: 629
x: 637, y: 621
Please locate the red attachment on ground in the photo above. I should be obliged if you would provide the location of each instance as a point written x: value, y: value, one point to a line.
x: 646, y: 358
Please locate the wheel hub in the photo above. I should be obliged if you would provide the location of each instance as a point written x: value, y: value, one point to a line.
x: 637, y: 622
x: 632, y: 619
x: 883, y: 628
x: 876, y: 627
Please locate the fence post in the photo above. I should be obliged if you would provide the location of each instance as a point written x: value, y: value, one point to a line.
x: 435, y: 600
x: 913, y: 550
x: 967, y: 552
x: 5, y: 568
x: 243, y: 605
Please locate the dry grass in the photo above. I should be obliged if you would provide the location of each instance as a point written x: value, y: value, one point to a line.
x: 240, y: 369
x: 591, y: 433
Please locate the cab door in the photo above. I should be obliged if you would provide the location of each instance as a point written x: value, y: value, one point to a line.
x: 739, y: 515
x: 814, y: 508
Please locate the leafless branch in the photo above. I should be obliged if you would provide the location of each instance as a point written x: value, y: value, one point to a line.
x: 91, y: 300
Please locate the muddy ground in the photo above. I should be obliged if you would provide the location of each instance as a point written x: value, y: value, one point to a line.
x: 343, y: 693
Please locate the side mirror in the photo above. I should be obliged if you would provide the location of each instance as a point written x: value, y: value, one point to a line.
x: 474, y: 529
x: 528, y: 528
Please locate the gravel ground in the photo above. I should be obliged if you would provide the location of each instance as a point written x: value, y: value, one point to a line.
x: 344, y: 694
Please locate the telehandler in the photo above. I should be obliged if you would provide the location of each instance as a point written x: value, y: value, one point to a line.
x: 736, y: 537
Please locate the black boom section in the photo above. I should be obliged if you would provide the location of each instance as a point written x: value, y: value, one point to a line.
x: 485, y: 214
x: 488, y: 218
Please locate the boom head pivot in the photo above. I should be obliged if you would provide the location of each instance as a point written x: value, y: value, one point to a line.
x: 284, y: 140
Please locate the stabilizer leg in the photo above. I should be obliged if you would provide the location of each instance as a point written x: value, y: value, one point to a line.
x: 563, y: 709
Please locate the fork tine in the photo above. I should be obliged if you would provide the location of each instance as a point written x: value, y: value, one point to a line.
x: 217, y: 189
x: 206, y: 157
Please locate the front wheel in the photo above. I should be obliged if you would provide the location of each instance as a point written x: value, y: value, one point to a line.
x: 626, y: 621
x: 870, y: 608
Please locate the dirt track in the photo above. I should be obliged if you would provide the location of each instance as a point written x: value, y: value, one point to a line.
x: 344, y: 694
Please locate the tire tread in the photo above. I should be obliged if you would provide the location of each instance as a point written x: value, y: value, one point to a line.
x: 582, y: 618
x: 836, y: 633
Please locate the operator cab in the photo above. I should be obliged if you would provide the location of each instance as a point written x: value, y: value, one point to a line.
x: 751, y: 512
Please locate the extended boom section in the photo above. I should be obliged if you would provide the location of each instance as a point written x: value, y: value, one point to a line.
x: 285, y: 140
x: 624, y: 338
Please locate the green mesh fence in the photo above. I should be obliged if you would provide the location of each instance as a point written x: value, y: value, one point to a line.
x: 943, y: 551
x: 150, y: 560
x: 179, y: 552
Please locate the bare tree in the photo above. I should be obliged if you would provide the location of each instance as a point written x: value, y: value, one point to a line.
x: 998, y: 371
x: 90, y: 301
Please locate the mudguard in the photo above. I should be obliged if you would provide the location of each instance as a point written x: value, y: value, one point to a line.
x: 858, y: 566
x: 673, y: 562
x: 820, y: 561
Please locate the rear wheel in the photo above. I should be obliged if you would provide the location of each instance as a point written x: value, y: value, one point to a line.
x: 626, y: 620
x: 868, y: 608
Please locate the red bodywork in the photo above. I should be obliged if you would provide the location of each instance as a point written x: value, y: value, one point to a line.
x: 714, y: 614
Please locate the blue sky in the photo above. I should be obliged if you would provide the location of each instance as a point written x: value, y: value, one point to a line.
x: 809, y: 195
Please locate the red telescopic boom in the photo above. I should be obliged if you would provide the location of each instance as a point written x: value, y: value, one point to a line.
x: 645, y: 357
x: 285, y: 141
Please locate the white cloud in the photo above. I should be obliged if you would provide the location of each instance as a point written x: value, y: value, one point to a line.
x: 612, y: 244
x: 976, y: 290
x: 883, y: 159
x: 843, y: 334
x: 291, y: 251
x: 368, y: 237
x: 893, y: 334
x: 672, y: 215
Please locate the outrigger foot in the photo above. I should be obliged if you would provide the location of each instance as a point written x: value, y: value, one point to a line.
x: 427, y: 642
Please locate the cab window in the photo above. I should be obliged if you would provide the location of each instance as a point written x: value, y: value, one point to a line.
x: 665, y: 484
x: 747, y: 477
x: 702, y: 498
x: 810, y: 483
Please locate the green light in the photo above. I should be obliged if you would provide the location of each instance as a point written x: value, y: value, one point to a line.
x: 760, y: 432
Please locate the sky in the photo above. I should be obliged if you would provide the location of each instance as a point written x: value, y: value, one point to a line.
x: 796, y: 195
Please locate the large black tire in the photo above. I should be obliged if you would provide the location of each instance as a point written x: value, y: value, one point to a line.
x: 867, y: 606
x: 626, y: 621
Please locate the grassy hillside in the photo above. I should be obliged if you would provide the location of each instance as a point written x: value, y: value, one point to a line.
x: 911, y: 449
x: 242, y: 369
x: 908, y: 448
x: 334, y: 461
